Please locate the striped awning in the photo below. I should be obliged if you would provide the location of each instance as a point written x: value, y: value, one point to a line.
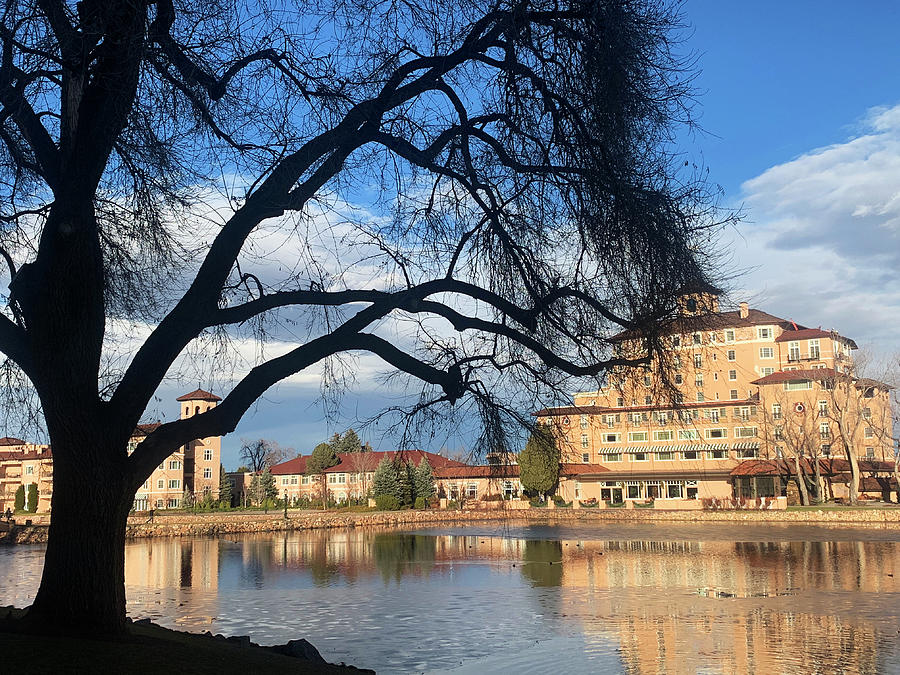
x: 749, y: 445
x: 612, y: 451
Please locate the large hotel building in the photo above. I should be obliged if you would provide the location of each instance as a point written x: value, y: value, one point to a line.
x: 731, y: 405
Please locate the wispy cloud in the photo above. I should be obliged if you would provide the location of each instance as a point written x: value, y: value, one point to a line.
x: 823, y: 239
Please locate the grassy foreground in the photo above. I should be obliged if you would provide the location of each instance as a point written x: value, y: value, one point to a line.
x: 148, y: 649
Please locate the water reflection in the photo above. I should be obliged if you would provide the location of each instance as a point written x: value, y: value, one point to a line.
x: 527, y: 599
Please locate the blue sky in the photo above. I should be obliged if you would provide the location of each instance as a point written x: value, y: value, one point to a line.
x: 800, y: 103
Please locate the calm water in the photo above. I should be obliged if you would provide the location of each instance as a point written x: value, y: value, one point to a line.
x: 514, y: 598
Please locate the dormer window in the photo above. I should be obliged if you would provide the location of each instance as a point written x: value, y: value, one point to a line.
x: 691, y: 305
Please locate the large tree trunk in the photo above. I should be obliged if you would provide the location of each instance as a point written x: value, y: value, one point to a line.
x: 83, y: 584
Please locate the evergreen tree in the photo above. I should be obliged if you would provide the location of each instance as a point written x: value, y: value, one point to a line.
x: 20, y: 498
x: 539, y: 462
x: 424, y: 480
x: 349, y: 442
x: 32, y: 497
x: 323, y: 457
x: 225, y: 492
x: 269, y: 489
x: 405, y: 483
x: 384, y: 482
x: 187, y: 498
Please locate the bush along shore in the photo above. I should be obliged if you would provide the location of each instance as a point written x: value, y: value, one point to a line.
x: 182, y: 524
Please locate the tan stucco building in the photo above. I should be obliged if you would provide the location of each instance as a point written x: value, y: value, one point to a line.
x: 21, y: 464
x: 726, y: 387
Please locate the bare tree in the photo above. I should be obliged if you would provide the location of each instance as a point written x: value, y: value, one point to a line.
x: 259, y: 454
x: 518, y: 155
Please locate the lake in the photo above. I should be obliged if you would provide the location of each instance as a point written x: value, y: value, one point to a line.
x: 647, y: 598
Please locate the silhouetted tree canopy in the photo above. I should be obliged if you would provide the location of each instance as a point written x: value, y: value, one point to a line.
x: 493, y: 182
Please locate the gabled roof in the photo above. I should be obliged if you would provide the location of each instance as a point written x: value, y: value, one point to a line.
x: 9, y: 440
x: 792, y: 334
x: 146, y: 429
x: 368, y: 461
x: 199, y: 395
x: 792, y: 375
x: 713, y: 321
x: 833, y: 467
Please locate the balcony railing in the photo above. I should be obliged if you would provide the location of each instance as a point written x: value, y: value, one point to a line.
x: 796, y: 357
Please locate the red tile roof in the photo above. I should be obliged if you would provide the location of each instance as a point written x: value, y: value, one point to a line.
x: 199, y: 395
x: 350, y: 461
x: 146, y: 429
x: 802, y: 334
x: 714, y: 321
x: 791, y: 375
x: 833, y: 467
x: 480, y: 471
x: 581, y: 469
x: 9, y: 440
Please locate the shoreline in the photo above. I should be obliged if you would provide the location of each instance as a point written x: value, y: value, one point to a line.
x: 213, y: 523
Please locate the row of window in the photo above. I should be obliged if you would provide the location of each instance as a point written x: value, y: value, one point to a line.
x: 670, y: 456
x: 671, y: 435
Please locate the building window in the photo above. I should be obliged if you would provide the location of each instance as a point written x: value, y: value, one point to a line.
x: 173, y: 503
x: 867, y: 413
x: 472, y: 490
x: 640, y: 456
x: 585, y: 457
x: 665, y: 456
x: 29, y: 470
x: 814, y: 349
x: 584, y: 440
x: 729, y: 336
x: 826, y: 450
x: 748, y: 453
x: 162, y: 467
x: 620, y: 402
x: 679, y: 379
x: 293, y: 480
x: 698, y: 379
x: 613, y: 457
x: 207, y: 473
x: 332, y: 478
x: 637, y: 436
x: 713, y: 414
x: 663, y: 435
x: 797, y: 385
x: 698, y: 360
x: 776, y: 411
x: 174, y: 484
x: 823, y: 408
x: 745, y: 432
x: 304, y: 480
x: 869, y: 433
x: 733, y: 394
x: 690, y: 454
x: 636, y: 418
x: 779, y: 433
x: 824, y: 431
x: 611, y: 438
x: 160, y: 503
x: 688, y: 434
x: 284, y: 481
x: 870, y: 452
x: 793, y: 351
x: 717, y: 454
x: 764, y: 333
x: 673, y: 491
x: 767, y: 371
x: 700, y: 397
x: 732, y: 374
x: 676, y: 362
x: 174, y: 464
x: 766, y: 353
x: 207, y: 455
x: 161, y: 484
x: 717, y: 433
x: 676, y: 341
x: 646, y: 380
x: 698, y: 339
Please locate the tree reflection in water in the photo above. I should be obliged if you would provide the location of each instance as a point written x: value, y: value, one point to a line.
x: 542, y: 562
x: 398, y: 554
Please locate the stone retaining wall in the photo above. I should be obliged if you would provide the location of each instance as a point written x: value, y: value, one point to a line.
x: 184, y: 525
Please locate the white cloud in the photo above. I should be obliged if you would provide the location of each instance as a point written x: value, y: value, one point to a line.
x: 823, y: 238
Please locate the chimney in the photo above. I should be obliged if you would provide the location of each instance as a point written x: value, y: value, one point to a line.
x: 745, y: 310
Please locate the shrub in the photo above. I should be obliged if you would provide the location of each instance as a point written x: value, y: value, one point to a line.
x: 453, y: 504
x: 537, y: 503
x: 420, y: 502
x: 387, y: 503
x: 32, y: 497
x: 20, y: 498
x: 643, y: 505
x: 590, y: 503
x: 492, y: 497
x: 614, y: 505
x: 559, y: 501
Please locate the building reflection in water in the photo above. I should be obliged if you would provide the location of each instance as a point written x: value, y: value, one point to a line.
x: 671, y: 606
